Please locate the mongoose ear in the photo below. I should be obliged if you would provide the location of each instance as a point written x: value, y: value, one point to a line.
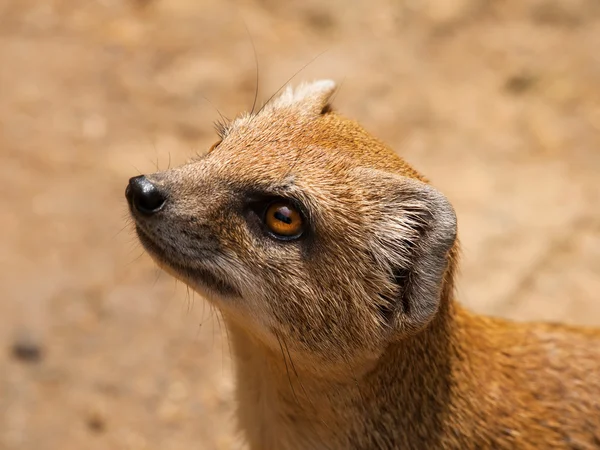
x: 414, y: 230
x: 310, y: 99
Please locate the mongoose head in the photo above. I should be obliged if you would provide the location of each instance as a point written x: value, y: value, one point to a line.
x: 304, y: 230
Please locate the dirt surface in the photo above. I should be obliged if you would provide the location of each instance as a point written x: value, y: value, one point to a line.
x: 497, y: 102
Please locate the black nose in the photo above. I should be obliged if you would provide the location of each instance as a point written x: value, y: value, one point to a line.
x: 144, y: 196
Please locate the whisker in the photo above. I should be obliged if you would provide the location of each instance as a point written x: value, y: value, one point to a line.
x: 290, y: 79
x: 295, y: 372
x: 158, y: 274
x: 299, y: 153
x: 137, y: 170
x: 227, y: 335
x: 255, y: 64
x: 137, y: 258
x: 286, y: 369
x: 221, y: 336
x: 213, y: 328
x: 337, y: 91
x: 223, y: 118
x: 320, y: 420
x: 121, y: 230
x: 203, y: 309
x: 356, y: 384
x: 153, y: 162
x: 187, y: 298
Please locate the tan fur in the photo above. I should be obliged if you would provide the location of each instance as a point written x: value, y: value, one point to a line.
x: 351, y: 338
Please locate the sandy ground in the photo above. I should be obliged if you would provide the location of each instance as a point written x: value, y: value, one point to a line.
x: 498, y: 102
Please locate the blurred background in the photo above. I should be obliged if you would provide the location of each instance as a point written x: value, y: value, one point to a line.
x: 497, y: 102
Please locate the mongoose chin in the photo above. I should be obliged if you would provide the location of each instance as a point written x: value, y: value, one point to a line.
x: 332, y: 262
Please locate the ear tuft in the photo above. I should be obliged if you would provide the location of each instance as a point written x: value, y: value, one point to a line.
x: 311, y: 99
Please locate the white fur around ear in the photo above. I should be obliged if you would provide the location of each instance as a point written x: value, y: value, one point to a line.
x: 414, y: 232
x: 307, y: 98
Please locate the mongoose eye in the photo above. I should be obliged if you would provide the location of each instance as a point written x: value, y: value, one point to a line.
x: 284, y: 220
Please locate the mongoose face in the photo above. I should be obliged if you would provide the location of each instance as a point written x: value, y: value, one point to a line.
x: 305, y: 230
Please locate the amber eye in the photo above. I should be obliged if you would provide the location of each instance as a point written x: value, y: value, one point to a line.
x: 284, y: 220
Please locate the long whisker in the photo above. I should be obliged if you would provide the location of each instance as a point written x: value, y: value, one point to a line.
x: 295, y: 372
x: 337, y: 91
x: 287, y: 369
x: 129, y: 222
x: 356, y: 384
x: 320, y: 420
x: 213, y: 327
x: 227, y: 334
x: 138, y: 257
x: 255, y: 64
x: 299, y: 153
x: 137, y: 170
x: 203, y: 310
x: 290, y: 79
x: 158, y: 274
x: 223, y: 118
x: 187, y: 298
x: 222, y: 351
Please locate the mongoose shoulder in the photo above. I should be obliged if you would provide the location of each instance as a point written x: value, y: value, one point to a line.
x: 332, y: 262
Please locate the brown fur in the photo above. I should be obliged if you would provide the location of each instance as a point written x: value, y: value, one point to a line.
x: 350, y: 338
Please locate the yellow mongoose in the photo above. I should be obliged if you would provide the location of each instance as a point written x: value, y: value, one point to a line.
x: 332, y: 262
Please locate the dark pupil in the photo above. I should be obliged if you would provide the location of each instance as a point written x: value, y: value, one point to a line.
x: 281, y: 215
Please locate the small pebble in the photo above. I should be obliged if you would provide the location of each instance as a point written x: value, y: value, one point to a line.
x: 96, y: 423
x: 27, y: 351
x: 519, y: 84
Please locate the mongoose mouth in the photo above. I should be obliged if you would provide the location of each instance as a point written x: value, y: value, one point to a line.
x: 192, y: 276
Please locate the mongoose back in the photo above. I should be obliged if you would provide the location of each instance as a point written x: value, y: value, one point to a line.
x: 332, y: 262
